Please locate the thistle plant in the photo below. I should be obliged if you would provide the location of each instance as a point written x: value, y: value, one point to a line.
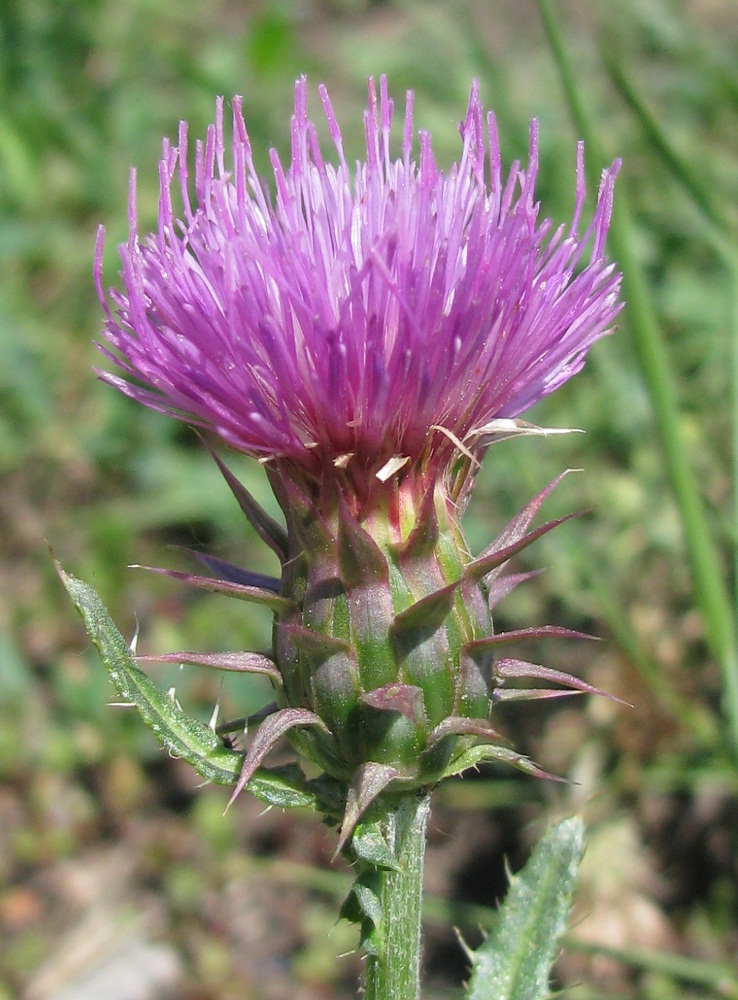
x: 366, y: 333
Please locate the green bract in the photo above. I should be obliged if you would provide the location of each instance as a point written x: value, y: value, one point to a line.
x: 378, y: 642
x: 384, y: 667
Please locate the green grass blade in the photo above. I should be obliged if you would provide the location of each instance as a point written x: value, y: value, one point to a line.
x: 711, y: 595
x: 717, y: 230
x: 689, y: 179
x: 733, y: 328
x: 715, y: 976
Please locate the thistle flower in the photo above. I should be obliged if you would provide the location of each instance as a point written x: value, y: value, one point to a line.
x: 366, y: 333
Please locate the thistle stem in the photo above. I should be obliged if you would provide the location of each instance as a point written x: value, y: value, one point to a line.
x: 394, y: 973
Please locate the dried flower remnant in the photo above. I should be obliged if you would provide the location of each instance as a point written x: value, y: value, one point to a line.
x: 366, y: 333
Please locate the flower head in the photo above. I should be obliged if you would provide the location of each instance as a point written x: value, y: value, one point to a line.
x: 367, y: 317
x: 365, y: 331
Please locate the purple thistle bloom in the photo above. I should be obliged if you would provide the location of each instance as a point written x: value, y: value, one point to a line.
x: 365, y: 332
x: 372, y: 318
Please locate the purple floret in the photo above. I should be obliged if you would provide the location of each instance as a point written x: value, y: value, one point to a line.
x: 360, y: 310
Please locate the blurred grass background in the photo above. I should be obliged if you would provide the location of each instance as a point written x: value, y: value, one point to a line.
x: 103, y: 840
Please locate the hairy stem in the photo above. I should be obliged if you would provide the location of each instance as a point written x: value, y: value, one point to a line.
x: 394, y: 973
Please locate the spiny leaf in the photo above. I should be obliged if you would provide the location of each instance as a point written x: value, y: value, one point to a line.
x: 285, y: 787
x: 371, y: 906
x: 363, y: 906
x: 369, y: 846
x: 514, y: 962
x: 182, y: 736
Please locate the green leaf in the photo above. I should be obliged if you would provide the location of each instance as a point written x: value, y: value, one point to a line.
x: 370, y: 846
x: 364, y: 902
x: 285, y: 787
x: 515, y: 961
x: 182, y: 735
